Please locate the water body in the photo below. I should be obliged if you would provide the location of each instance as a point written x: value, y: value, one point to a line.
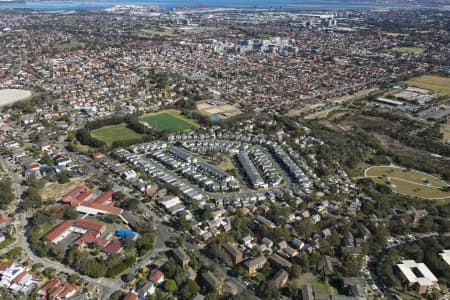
x: 170, y: 4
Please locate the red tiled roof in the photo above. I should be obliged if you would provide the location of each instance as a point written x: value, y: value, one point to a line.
x: 56, y: 207
x: 5, y: 266
x: 90, y: 225
x: 50, y: 284
x: 58, y: 230
x: 55, y: 293
x: 91, y: 238
x: 32, y: 165
x: 80, y: 193
x: 69, y: 288
x: 155, y: 275
x: 98, y: 155
x: 106, y: 196
x: 4, y: 218
x: 131, y: 296
x: 19, y: 277
x: 113, y: 247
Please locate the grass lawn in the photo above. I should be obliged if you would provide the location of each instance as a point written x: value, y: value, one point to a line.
x: 309, y: 278
x: 438, y: 84
x: 403, y: 50
x: 70, y: 46
x: 54, y: 191
x: 46, y: 228
x: 408, y: 182
x: 413, y: 190
x: 93, y: 218
x: 119, y: 132
x: 409, y: 175
x: 170, y: 120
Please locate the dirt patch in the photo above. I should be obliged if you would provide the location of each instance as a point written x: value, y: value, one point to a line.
x: 225, y: 164
x: 225, y: 110
x: 54, y: 191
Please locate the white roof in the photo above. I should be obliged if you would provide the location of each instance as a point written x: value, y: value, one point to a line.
x: 446, y: 256
x: 407, y: 267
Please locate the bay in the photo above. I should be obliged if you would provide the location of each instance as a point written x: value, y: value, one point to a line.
x: 170, y: 4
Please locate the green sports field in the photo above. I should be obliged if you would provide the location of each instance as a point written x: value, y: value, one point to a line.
x: 170, y: 120
x: 438, y: 84
x: 110, y: 134
x: 409, y: 182
x: 403, y: 50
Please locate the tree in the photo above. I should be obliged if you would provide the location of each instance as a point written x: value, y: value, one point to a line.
x: 57, y: 252
x: 6, y: 192
x: 352, y: 265
x: 246, y: 295
x: 145, y: 243
x: 49, y: 272
x: 14, y: 253
x: 34, y: 182
x: 47, y: 160
x: 129, y: 204
x: 182, y: 224
x: 189, y: 289
x: 170, y: 268
x: 73, y: 279
x: 70, y: 213
x: 64, y: 177
x: 170, y: 285
x: 296, y: 271
x: 31, y: 199
x: 269, y: 290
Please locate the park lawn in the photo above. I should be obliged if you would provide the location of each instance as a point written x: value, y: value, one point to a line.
x: 46, y: 227
x: 438, y: 84
x: 70, y: 46
x: 409, y: 175
x: 412, y: 189
x: 402, y: 50
x: 54, y: 191
x: 170, y: 120
x: 309, y: 278
x: 93, y: 218
x: 113, y: 133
